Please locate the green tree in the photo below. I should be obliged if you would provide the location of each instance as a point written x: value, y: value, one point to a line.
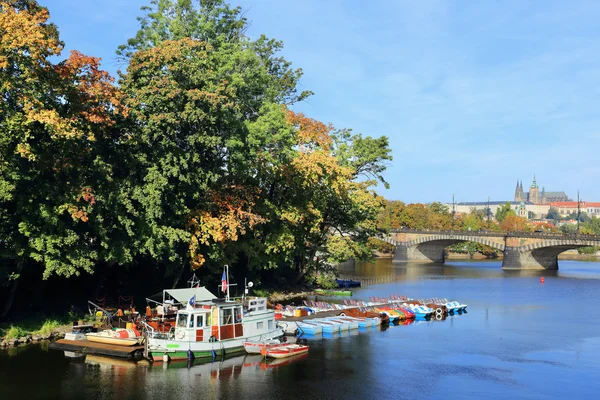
x: 504, y: 211
x: 553, y: 214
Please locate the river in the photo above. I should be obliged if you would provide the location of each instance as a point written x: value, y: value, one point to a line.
x: 520, y: 339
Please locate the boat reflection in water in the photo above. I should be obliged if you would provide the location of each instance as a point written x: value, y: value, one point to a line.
x: 219, y: 369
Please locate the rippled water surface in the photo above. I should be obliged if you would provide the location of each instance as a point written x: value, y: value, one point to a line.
x: 520, y: 339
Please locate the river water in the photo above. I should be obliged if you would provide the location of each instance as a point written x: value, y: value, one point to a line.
x: 520, y: 339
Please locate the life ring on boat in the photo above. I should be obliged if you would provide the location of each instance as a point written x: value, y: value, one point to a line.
x: 212, y: 339
x: 438, y: 317
x: 342, y: 314
x: 439, y: 311
x: 180, y: 334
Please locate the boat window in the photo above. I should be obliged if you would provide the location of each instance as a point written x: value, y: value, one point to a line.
x: 237, y: 315
x: 270, y: 324
x: 199, y: 321
x: 226, y: 316
x: 182, y: 320
x: 260, y: 325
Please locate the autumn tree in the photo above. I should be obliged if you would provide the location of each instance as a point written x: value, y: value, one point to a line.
x: 55, y: 119
x: 504, y: 211
x: 514, y: 223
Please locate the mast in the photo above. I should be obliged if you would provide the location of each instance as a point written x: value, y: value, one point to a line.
x: 227, y: 268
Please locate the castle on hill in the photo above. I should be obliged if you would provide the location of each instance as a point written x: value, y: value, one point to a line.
x: 536, y: 196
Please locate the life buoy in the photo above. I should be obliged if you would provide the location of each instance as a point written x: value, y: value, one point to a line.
x: 342, y: 314
x: 438, y: 317
x: 212, y: 339
x: 439, y: 311
x: 180, y: 334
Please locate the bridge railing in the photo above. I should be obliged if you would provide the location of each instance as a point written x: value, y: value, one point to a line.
x: 545, y: 235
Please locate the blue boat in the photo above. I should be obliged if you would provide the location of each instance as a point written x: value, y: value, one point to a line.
x: 328, y: 326
x: 309, y: 328
x: 347, y: 283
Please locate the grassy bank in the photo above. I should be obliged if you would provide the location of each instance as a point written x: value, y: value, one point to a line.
x: 33, y: 329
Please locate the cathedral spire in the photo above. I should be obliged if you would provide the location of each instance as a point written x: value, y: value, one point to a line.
x: 534, y: 184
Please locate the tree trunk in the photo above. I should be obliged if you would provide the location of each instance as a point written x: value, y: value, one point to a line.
x: 13, y: 291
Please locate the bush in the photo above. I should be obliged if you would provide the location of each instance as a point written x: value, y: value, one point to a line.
x: 587, y: 250
x: 325, y: 281
x: 381, y: 246
x: 48, y: 327
x: 15, y: 332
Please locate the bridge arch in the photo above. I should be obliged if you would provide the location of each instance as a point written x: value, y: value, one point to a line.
x: 431, y: 247
x: 544, y: 254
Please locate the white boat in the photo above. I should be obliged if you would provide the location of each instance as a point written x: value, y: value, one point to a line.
x: 120, y: 337
x: 213, y: 328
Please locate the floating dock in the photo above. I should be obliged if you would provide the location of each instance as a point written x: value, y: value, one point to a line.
x: 101, y: 349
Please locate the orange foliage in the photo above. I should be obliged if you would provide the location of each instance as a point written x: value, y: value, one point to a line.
x: 310, y: 132
x: 231, y: 216
x: 95, y: 87
x: 25, y: 32
x: 514, y: 223
x: 87, y: 195
x: 75, y: 212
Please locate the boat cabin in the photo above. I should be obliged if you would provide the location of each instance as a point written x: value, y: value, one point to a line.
x: 210, y: 321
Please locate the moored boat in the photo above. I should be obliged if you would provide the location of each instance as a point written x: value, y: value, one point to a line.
x: 255, y: 346
x: 310, y: 328
x: 120, y: 337
x: 208, y: 327
x: 285, y: 351
x: 333, y: 292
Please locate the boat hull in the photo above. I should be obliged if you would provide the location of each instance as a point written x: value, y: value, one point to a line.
x: 285, y: 351
x: 178, y: 349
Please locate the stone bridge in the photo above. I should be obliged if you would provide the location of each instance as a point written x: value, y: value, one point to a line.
x: 522, y: 250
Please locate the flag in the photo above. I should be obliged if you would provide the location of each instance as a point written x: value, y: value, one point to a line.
x: 224, y: 282
x: 192, y: 300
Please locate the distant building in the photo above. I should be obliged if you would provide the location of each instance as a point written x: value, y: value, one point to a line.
x: 565, y: 208
x: 536, y: 196
x: 522, y: 208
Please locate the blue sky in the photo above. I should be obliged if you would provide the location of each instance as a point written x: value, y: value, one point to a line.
x: 473, y: 95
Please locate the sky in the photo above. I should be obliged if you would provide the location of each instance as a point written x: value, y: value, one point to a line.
x: 473, y: 95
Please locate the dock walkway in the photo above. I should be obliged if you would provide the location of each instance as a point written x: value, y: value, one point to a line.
x: 87, y: 347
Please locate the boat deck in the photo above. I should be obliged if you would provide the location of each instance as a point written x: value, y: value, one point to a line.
x: 87, y: 347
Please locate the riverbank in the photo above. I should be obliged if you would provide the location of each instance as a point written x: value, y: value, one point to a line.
x: 16, y: 335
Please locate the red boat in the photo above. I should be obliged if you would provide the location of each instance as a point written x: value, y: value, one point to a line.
x: 255, y: 347
x: 284, y: 351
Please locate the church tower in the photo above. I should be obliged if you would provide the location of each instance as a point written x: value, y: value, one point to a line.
x: 543, y: 196
x: 519, y: 195
x: 534, y: 192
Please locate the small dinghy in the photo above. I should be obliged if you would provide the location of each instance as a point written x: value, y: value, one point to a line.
x: 284, y: 351
x: 256, y: 346
x: 120, y: 337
